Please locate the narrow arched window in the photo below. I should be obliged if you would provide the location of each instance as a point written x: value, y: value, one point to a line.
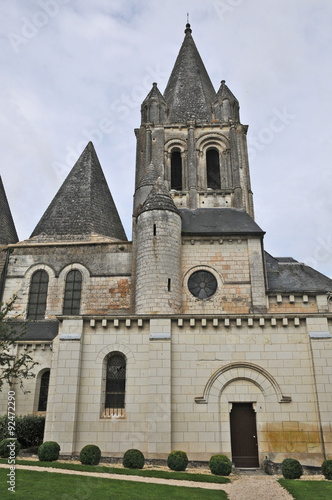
x: 176, y: 170
x: 73, y: 289
x: 38, y: 295
x: 115, y: 384
x: 212, y: 169
x: 43, y: 391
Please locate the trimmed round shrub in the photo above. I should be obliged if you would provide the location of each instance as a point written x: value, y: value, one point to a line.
x: 90, y: 455
x: 48, y: 451
x: 7, y: 448
x: 177, y: 460
x: 327, y: 469
x: 291, y: 468
x: 133, y: 459
x: 220, y: 465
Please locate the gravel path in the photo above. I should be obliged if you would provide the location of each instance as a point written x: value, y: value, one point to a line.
x: 243, y: 487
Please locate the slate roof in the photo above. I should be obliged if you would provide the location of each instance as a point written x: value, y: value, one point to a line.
x: 159, y: 199
x: 150, y: 176
x: 189, y: 92
x: 218, y: 221
x: 285, y: 274
x: 8, y: 232
x: 225, y: 93
x: 83, y: 206
x: 38, y: 330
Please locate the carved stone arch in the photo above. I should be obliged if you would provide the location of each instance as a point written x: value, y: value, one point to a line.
x: 107, y: 350
x: 211, y: 139
x: 40, y: 267
x: 71, y: 267
x: 255, y: 374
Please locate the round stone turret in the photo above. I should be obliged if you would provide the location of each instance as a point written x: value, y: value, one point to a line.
x: 158, y: 265
x: 154, y: 107
x: 226, y: 106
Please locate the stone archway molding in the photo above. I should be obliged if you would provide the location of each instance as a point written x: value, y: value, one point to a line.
x: 242, y: 370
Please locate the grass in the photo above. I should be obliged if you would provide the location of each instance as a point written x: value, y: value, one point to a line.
x: 308, y: 490
x: 206, y: 478
x: 33, y: 485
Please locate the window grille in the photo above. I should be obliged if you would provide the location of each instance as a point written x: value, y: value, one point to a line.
x: 73, y: 290
x: 43, y: 392
x: 202, y: 284
x: 38, y: 295
x: 115, y: 385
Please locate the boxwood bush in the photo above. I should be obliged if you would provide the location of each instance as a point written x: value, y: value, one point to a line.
x: 133, y: 459
x: 291, y: 468
x: 177, y: 460
x: 220, y: 465
x: 5, y: 449
x: 327, y: 469
x: 49, y: 451
x: 29, y: 429
x: 90, y: 455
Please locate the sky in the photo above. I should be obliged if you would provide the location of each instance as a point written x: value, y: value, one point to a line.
x: 74, y: 71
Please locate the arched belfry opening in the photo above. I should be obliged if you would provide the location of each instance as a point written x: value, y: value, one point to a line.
x: 213, y: 168
x: 176, y: 170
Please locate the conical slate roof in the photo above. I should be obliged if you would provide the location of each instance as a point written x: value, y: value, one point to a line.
x: 189, y: 93
x: 225, y: 93
x: 150, y: 176
x: 83, y: 207
x: 159, y: 199
x: 8, y: 232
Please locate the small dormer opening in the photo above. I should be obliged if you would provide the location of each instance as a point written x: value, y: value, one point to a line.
x: 176, y: 170
x: 213, y: 169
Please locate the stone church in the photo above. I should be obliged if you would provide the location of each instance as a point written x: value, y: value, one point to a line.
x: 189, y: 337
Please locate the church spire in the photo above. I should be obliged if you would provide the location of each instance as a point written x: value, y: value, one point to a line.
x: 189, y: 93
x: 83, y: 208
x: 7, y: 227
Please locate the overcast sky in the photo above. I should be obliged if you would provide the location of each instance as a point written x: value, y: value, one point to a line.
x: 74, y: 71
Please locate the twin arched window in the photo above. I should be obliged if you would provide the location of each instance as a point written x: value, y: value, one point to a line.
x: 38, y: 294
x: 115, y: 384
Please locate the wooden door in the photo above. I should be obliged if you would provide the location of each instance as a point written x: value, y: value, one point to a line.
x: 244, y: 435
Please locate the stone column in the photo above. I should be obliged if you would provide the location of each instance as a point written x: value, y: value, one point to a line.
x: 159, y: 415
x: 192, y: 174
x: 238, y: 202
x: 257, y: 275
x: 61, y: 416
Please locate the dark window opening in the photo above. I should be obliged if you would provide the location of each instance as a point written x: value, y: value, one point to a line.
x: 176, y: 171
x: 169, y: 284
x: 115, y: 385
x: 43, y: 392
x: 38, y: 295
x: 73, y: 289
x: 213, y: 169
x: 154, y: 229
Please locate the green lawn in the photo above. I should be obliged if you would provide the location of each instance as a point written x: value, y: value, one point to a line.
x: 33, y: 485
x: 206, y: 478
x: 308, y: 490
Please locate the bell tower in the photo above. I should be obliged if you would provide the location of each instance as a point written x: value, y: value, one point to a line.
x: 193, y: 137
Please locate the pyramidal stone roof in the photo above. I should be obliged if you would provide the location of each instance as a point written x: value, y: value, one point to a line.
x: 189, y: 92
x: 225, y: 93
x: 150, y: 176
x: 83, y: 208
x: 159, y: 199
x: 8, y: 232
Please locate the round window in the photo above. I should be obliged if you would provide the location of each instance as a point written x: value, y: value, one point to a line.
x: 202, y: 284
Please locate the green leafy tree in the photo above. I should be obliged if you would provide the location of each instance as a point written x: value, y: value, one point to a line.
x: 13, y: 367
